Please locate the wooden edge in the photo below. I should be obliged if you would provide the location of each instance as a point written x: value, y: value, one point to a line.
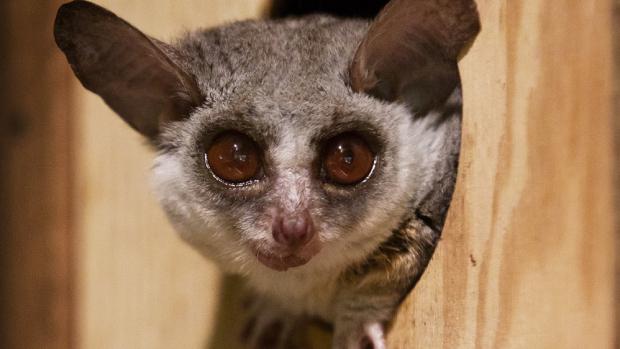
x: 616, y: 120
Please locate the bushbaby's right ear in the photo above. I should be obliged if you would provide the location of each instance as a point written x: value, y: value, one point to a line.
x: 410, y: 51
x: 125, y: 67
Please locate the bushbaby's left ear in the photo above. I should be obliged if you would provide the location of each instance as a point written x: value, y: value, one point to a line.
x: 411, y: 49
x: 133, y: 73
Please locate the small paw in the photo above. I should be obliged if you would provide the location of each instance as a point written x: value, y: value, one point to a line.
x: 268, y: 327
x: 373, y: 337
x: 367, y: 336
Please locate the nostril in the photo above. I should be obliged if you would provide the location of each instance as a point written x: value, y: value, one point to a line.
x: 293, y: 231
x: 277, y: 230
x: 305, y: 230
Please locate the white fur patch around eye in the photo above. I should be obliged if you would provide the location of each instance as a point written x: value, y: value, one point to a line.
x: 167, y: 182
x: 292, y: 160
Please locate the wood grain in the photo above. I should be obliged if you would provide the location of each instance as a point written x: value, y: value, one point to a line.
x: 138, y: 285
x: 526, y: 259
x: 35, y: 181
x: 616, y: 119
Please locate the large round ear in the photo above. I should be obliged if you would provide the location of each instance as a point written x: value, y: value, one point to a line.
x: 411, y: 49
x: 130, y: 71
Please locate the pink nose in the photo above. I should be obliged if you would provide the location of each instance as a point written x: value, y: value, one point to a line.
x: 293, y: 230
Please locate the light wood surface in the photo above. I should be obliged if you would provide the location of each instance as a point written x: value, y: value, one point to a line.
x: 526, y: 259
x: 616, y: 119
x: 138, y: 285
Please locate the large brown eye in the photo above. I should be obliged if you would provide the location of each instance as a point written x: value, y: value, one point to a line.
x: 234, y: 157
x: 347, y: 159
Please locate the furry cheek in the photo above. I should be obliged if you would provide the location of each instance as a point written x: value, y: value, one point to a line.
x: 199, y: 226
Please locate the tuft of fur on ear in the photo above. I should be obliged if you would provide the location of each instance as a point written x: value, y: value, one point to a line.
x: 411, y: 49
x: 129, y: 70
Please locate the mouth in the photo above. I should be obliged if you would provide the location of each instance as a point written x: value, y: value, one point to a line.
x: 280, y: 263
x: 286, y: 259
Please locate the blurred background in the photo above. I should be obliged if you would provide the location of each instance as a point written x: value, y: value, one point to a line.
x: 87, y: 259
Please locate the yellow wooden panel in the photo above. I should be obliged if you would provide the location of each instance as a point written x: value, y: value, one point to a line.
x: 138, y: 285
x: 616, y: 39
x: 526, y: 259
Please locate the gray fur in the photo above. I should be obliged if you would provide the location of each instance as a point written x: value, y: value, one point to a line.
x: 286, y: 84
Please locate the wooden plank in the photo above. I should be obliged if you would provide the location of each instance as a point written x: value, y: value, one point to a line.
x: 616, y: 119
x: 526, y: 260
x: 139, y: 286
x: 35, y: 185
